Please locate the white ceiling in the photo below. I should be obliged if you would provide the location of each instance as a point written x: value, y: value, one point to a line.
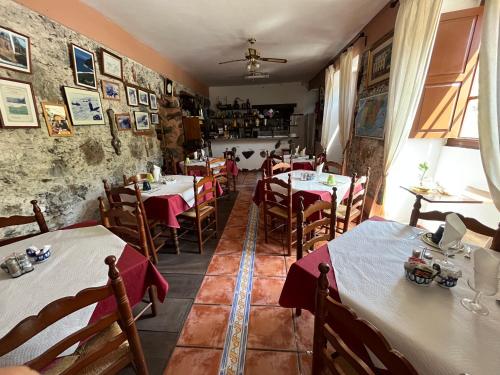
x: 197, y: 34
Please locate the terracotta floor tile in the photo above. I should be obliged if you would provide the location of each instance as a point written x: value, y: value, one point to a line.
x: 226, y: 247
x: 236, y: 222
x: 194, y: 361
x: 234, y: 234
x: 289, y: 261
x: 305, y: 361
x: 205, y: 326
x: 304, y: 330
x: 269, y: 265
x: 260, y: 362
x: 271, y: 328
x: 217, y: 290
x: 271, y: 248
x: 224, y: 265
x: 267, y: 291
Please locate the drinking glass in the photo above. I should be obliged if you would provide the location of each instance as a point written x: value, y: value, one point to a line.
x: 474, y: 304
x: 448, y: 249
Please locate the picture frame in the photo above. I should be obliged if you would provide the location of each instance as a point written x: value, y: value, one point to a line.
x: 57, y: 119
x: 153, y: 101
x: 155, y: 119
x: 379, y: 61
x: 142, y: 121
x: 111, y: 64
x: 84, y: 106
x: 110, y: 90
x: 123, y: 121
x: 17, y: 104
x: 83, y: 67
x: 169, y: 87
x: 143, y: 96
x: 16, y: 50
x: 132, y: 99
x: 370, y: 116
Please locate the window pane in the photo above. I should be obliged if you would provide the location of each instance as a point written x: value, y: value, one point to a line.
x: 469, y: 126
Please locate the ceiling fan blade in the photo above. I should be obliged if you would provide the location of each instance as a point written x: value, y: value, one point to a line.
x: 273, y: 60
x: 231, y: 61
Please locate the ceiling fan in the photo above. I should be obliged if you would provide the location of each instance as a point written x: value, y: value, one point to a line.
x: 253, y: 58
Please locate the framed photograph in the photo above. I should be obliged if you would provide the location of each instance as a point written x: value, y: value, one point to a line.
x: 153, y: 103
x: 111, y: 64
x: 123, y: 121
x: 110, y: 90
x: 84, y: 67
x: 15, y: 52
x: 143, y: 97
x: 57, y: 120
x: 370, y: 118
x: 84, y: 106
x: 379, y: 61
x: 132, y: 96
x: 155, y: 118
x: 17, y: 104
x: 141, y: 121
x: 169, y: 87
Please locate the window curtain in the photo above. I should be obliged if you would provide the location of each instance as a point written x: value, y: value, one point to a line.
x: 414, y: 34
x: 489, y: 98
x: 330, y: 126
x: 348, y: 77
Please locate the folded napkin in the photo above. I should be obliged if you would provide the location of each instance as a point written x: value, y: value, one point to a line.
x: 454, y: 230
x: 202, y: 153
x: 297, y: 150
x: 303, y: 152
x: 319, y: 168
x: 486, y: 271
x: 195, y: 155
x: 156, y: 173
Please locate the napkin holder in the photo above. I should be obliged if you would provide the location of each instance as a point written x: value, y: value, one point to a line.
x: 39, y: 255
x: 419, y: 272
x: 447, y: 276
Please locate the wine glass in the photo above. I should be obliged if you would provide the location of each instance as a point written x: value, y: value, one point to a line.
x: 474, y: 305
x: 448, y: 249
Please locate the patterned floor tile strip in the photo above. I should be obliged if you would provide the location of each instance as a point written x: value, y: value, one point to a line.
x: 233, y: 357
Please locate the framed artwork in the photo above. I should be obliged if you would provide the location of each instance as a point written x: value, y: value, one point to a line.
x: 123, y: 121
x: 84, y: 67
x: 379, y: 61
x: 15, y: 51
x: 132, y: 96
x: 57, y: 120
x: 17, y: 104
x: 153, y: 103
x: 155, y: 118
x: 141, y: 120
x: 110, y: 90
x: 370, y: 118
x: 143, y: 97
x: 111, y: 64
x: 84, y: 106
x: 169, y: 87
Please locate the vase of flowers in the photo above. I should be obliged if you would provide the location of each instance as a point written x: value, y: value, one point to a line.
x: 423, y: 168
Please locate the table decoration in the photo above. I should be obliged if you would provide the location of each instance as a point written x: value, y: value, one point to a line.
x: 39, y: 255
x: 16, y: 265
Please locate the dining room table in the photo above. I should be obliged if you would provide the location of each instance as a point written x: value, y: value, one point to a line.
x: 303, y: 162
x: 198, y: 167
x: 427, y: 324
x: 76, y: 263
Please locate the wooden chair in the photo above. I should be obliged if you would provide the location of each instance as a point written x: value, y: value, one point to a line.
x: 333, y: 167
x: 109, y: 344
x: 230, y: 155
x: 130, y: 227
x: 169, y: 163
x: 154, y: 228
x: 352, y: 210
x: 281, y: 167
x: 133, y: 179
x: 194, y: 168
x: 204, y: 209
x: 16, y: 220
x: 219, y: 172
x: 278, y: 206
x: 320, y: 158
x: 470, y: 223
x: 329, y: 315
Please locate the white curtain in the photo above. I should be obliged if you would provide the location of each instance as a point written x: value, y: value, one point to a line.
x: 414, y: 34
x: 330, y: 128
x: 348, y: 77
x: 489, y: 97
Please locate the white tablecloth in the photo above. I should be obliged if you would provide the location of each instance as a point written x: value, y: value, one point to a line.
x: 299, y: 159
x: 200, y: 163
x: 76, y: 263
x: 427, y: 324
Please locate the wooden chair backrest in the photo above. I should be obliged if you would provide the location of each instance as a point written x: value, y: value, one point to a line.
x: 128, y: 225
x: 169, y: 164
x: 204, y: 193
x: 320, y: 158
x: 133, y: 179
x: 275, y: 198
x: 333, y: 167
x: 217, y: 170
x: 357, y: 193
x: 281, y: 168
x: 63, y: 307
x: 12, y: 221
x: 329, y: 315
x: 470, y: 223
x: 189, y: 167
x: 229, y: 155
x: 307, y: 234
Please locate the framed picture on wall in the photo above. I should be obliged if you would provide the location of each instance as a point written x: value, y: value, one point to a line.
x: 132, y: 96
x: 57, y: 120
x: 123, y: 121
x: 17, y: 104
x: 379, y: 61
x: 169, y: 87
x: 153, y: 103
x: 155, y: 118
x: 143, y: 97
x: 84, y: 106
x: 15, y: 51
x: 84, y: 67
x: 110, y: 90
x: 141, y: 120
x: 111, y: 64
x: 370, y: 118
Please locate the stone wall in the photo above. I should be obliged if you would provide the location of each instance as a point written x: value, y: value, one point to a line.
x: 65, y: 174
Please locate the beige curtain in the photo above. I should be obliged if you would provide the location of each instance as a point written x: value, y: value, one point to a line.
x: 489, y: 97
x: 348, y: 77
x: 414, y: 34
x: 330, y: 126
